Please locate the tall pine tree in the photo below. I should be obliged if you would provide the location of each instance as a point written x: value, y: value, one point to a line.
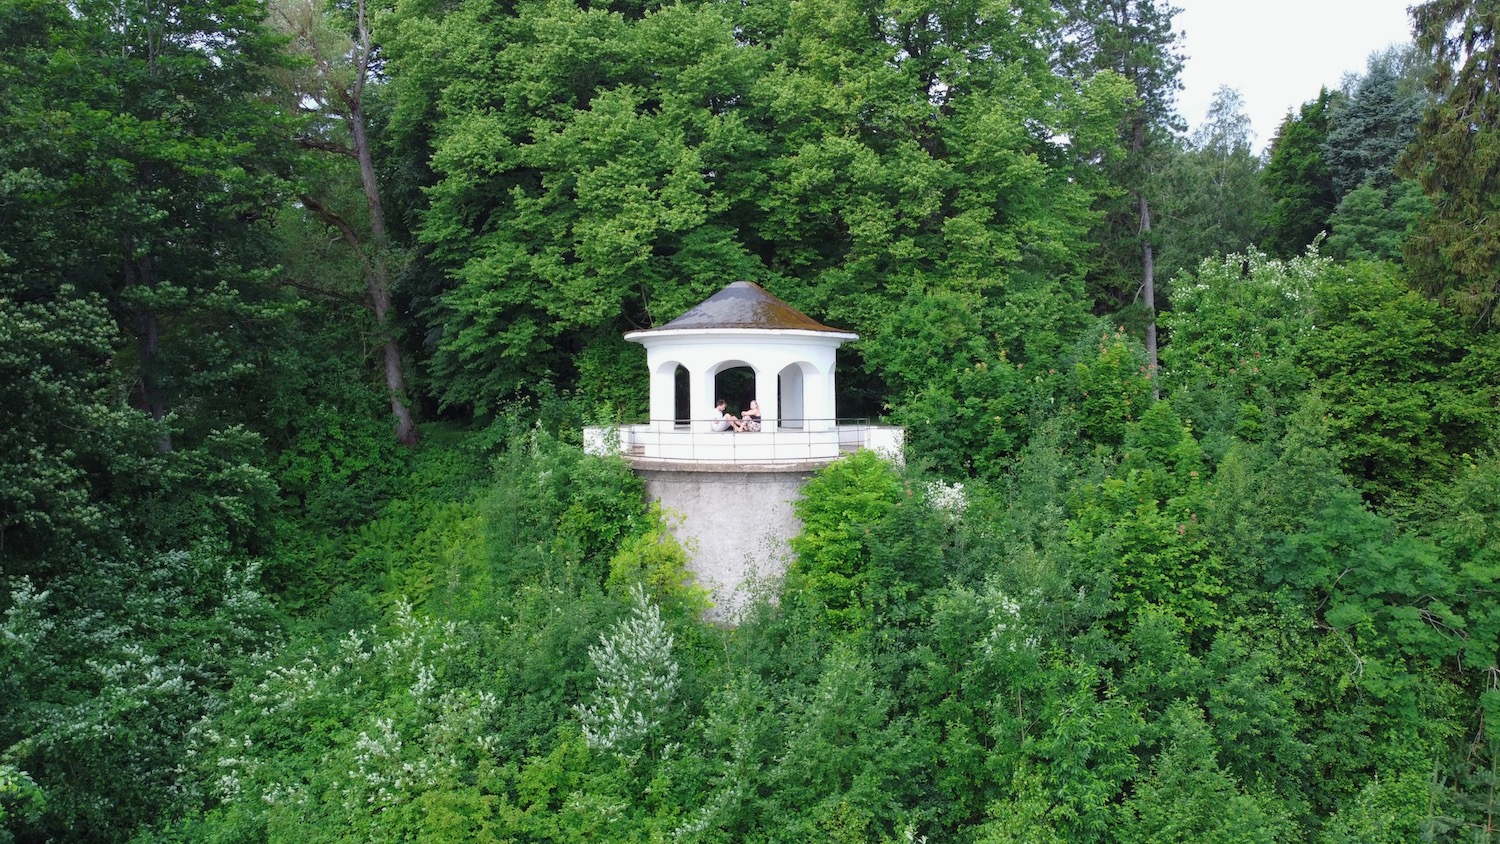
x: 1297, y: 178
x: 1455, y: 253
x: 1135, y: 39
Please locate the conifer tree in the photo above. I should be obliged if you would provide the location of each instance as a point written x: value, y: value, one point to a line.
x: 1455, y: 253
x: 1135, y: 39
x: 1297, y: 180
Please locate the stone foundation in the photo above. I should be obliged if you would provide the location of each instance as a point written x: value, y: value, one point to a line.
x: 736, y: 521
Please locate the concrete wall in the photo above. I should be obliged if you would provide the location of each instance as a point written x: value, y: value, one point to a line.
x: 737, y: 523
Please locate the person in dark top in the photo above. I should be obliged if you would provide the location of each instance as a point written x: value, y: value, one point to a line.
x: 750, y: 419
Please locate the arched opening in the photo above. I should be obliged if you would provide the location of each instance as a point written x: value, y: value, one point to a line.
x: 790, y: 402
x: 735, y: 384
x: 682, y: 398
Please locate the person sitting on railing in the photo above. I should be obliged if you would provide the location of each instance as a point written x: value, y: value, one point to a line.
x: 724, y: 421
x: 750, y: 419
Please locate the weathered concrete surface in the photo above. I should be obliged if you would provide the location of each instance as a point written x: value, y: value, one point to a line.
x: 737, y: 521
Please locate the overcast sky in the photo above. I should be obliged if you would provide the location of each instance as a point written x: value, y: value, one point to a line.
x: 1279, y: 52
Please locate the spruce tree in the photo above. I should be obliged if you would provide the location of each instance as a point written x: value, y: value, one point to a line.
x: 1455, y: 253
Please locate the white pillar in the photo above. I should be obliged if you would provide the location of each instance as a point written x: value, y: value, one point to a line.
x: 702, y: 396
x: 765, y: 393
x: 792, y: 407
x: 815, y: 391
x: 663, y: 395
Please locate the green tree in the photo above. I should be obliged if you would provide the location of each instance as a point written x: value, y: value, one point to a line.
x: 1370, y: 128
x: 1135, y: 39
x: 590, y: 178
x: 1392, y: 366
x: 1374, y: 122
x: 1189, y: 798
x: 1236, y: 325
x: 1113, y: 387
x: 1211, y: 200
x: 1455, y: 254
x: 113, y: 177
x: 340, y: 55
x: 108, y: 669
x: 1374, y: 224
x: 839, y: 509
x: 1297, y: 178
x: 147, y: 157
x: 848, y: 759
x: 1141, y: 527
x: 63, y: 426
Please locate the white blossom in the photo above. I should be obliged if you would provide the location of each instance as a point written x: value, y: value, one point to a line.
x: 637, y: 679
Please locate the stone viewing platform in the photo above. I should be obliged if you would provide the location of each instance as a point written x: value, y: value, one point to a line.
x: 682, y: 448
x: 732, y: 492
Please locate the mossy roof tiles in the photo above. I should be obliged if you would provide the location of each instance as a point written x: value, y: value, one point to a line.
x: 745, y: 304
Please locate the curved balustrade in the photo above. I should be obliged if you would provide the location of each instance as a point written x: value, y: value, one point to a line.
x: 820, y: 440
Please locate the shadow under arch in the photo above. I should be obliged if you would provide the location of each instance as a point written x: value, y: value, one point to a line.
x: 791, y: 394
x: 682, y: 392
x: 734, y: 381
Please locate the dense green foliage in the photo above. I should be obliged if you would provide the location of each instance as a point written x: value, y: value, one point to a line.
x: 1261, y: 606
x: 1334, y: 167
x: 1455, y: 155
x: 1297, y: 179
x: 603, y: 169
x: 1211, y: 200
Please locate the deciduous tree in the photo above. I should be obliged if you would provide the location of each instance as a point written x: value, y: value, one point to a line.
x: 598, y: 172
x: 337, y: 47
x: 1211, y: 202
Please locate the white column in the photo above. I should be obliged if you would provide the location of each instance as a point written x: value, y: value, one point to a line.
x: 702, y: 396
x: 765, y: 393
x: 792, y: 390
x: 816, y: 406
x: 663, y: 394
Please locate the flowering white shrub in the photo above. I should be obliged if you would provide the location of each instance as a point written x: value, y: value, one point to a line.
x: 104, y: 672
x: 385, y: 710
x: 946, y: 498
x: 1009, y: 632
x: 637, y: 679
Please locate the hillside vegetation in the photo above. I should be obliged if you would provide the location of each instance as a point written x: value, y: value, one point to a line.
x: 303, y: 308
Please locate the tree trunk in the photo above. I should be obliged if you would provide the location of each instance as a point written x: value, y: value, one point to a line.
x: 1148, y: 258
x: 378, y: 279
x: 139, y: 273
x: 378, y: 275
x: 1148, y: 294
x: 374, y: 256
x: 148, y: 346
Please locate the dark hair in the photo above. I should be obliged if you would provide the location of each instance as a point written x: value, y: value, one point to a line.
x: 718, y: 402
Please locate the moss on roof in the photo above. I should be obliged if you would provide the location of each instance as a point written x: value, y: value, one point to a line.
x: 745, y: 304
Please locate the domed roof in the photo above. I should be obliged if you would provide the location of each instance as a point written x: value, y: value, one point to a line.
x: 745, y: 304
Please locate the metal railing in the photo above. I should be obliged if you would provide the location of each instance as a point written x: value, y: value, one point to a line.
x: 817, y: 440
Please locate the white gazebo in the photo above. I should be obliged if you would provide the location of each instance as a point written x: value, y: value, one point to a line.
x: 792, y: 357
x: 732, y: 493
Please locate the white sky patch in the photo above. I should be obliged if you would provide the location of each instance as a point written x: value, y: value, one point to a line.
x: 1278, y: 53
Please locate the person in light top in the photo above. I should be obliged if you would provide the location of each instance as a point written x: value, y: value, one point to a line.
x: 724, y: 421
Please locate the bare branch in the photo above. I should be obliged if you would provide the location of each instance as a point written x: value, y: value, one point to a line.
x: 326, y: 146
x: 321, y: 291
x: 345, y: 230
